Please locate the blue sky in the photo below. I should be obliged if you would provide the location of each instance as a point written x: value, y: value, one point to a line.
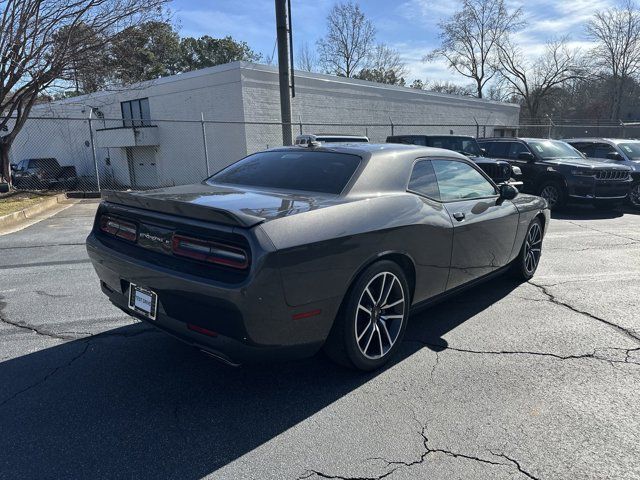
x: 410, y: 26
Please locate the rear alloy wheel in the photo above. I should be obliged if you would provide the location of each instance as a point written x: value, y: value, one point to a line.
x: 634, y: 196
x: 526, y: 264
x: 554, y: 194
x: 372, y: 322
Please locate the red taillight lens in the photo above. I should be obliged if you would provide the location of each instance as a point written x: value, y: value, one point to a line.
x: 208, y: 251
x: 119, y: 228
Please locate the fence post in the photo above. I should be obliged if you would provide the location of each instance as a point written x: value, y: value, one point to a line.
x: 391, y: 122
x: 622, y: 125
x: 484, y: 131
x: 93, y: 148
x: 550, y: 127
x: 477, y: 127
x: 204, y: 142
x: 300, y: 123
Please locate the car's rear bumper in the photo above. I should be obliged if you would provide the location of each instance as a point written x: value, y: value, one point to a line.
x: 238, y: 324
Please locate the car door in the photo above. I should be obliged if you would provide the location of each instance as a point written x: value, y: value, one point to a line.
x: 484, y: 226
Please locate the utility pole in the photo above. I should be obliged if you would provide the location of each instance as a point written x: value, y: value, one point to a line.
x: 283, y: 25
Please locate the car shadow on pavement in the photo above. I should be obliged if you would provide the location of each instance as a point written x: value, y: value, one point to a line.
x: 428, y: 326
x: 133, y: 402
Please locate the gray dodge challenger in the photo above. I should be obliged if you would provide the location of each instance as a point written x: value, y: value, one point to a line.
x: 295, y: 249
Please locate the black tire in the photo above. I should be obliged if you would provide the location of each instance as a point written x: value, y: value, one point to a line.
x: 634, y: 196
x: 361, y: 315
x: 554, y: 193
x: 521, y: 268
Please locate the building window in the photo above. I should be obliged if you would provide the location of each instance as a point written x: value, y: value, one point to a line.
x: 135, y: 113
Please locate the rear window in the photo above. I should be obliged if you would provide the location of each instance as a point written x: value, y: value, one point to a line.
x: 309, y: 171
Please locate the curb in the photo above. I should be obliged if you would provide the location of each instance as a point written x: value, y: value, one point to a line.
x: 14, y: 219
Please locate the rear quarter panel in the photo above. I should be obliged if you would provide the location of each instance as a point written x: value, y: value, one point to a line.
x: 529, y: 207
x: 321, y: 252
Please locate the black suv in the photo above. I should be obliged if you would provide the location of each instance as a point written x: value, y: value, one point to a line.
x: 559, y: 173
x: 43, y: 173
x: 499, y: 170
x: 617, y: 151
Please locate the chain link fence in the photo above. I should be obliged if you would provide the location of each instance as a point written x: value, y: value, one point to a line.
x: 115, y: 154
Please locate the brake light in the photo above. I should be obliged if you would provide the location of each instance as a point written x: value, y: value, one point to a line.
x: 119, y: 228
x: 208, y: 251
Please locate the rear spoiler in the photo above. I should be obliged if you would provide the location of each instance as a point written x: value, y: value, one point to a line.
x: 233, y: 218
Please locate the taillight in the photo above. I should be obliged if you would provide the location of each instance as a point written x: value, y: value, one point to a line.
x: 208, y: 251
x: 119, y: 228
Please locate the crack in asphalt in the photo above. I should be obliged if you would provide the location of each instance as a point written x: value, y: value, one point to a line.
x: 48, y: 375
x: 517, y: 465
x: 40, y: 331
x: 593, y: 355
x: 633, y: 240
x: 553, y: 299
x: 396, y: 465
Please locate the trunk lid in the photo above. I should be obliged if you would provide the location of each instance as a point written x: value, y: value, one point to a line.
x: 223, y: 204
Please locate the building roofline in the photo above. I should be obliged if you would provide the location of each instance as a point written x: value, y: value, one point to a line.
x: 241, y: 65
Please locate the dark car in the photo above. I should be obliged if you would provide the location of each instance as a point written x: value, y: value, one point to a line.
x: 43, y: 173
x: 559, y: 173
x: 499, y: 170
x: 618, y: 151
x: 296, y: 248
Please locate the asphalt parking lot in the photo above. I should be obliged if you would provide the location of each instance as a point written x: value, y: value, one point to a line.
x: 539, y: 380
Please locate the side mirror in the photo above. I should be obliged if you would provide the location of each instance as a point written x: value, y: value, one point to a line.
x: 14, y: 167
x: 484, y: 152
x: 507, y: 192
x: 614, y: 156
x: 528, y: 156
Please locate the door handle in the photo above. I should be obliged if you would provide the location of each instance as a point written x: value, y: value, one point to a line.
x: 458, y: 216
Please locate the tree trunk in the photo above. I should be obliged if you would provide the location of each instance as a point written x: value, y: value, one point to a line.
x: 479, y: 83
x: 5, y: 167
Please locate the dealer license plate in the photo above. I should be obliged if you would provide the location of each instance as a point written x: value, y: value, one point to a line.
x: 143, y: 301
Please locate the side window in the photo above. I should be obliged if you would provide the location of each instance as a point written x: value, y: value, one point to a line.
x: 587, y: 148
x: 498, y: 150
x: 460, y: 181
x: 601, y: 150
x: 515, y: 149
x: 423, y: 180
x: 32, y: 164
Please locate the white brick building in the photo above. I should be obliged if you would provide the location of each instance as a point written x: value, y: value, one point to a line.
x: 151, y: 134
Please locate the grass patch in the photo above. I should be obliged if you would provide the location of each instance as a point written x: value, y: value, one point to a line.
x: 16, y: 201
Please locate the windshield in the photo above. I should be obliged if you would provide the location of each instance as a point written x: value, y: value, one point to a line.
x: 547, y: 149
x: 463, y: 145
x: 304, y: 170
x: 631, y: 150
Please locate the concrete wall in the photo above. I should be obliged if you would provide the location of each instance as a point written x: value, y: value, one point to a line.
x: 328, y: 99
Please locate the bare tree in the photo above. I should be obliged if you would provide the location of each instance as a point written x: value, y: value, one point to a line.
x: 535, y: 81
x: 306, y: 59
x: 616, y: 32
x: 41, y: 40
x: 470, y: 37
x: 347, y: 45
x: 384, y: 65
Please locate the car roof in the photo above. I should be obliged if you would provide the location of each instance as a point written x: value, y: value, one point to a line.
x: 392, y: 163
x: 602, y: 139
x: 431, y: 135
x: 516, y: 139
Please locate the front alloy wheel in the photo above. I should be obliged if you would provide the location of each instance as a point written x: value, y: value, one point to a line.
x: 552, y: 193
x: 526, y: 264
